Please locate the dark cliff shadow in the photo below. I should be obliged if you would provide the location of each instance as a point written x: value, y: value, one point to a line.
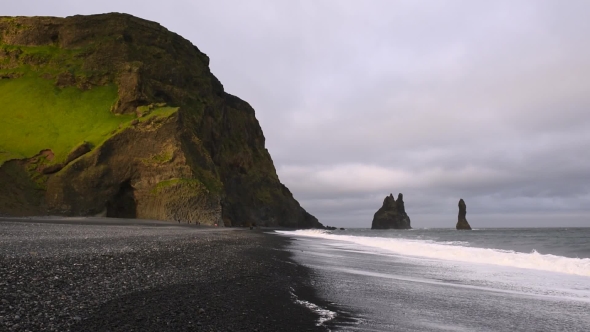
x: 123, y: 204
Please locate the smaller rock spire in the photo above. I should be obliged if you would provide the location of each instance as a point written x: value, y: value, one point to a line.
x: 462, y: 223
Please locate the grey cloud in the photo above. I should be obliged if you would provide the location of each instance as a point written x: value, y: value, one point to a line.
x: 488, y: 101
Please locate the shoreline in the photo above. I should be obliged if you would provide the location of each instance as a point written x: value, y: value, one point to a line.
x: 86, y: 277
x: 108, y: 221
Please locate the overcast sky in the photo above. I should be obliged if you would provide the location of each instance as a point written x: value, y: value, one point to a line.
x: 488, y: 101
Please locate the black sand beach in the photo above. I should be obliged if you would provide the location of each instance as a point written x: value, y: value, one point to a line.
x: 80, y: 275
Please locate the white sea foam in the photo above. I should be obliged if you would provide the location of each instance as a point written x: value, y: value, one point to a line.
x: 325, y: 314
x: 456, y: 252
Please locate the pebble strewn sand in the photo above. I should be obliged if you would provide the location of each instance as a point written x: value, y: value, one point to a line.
x: 81, y: 277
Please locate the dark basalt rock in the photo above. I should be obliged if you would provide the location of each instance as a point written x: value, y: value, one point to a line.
x: 6, y: 76
x: 52, y: 169
x: 462, y: 223
x: 392, y: 215
x: 78, y: 152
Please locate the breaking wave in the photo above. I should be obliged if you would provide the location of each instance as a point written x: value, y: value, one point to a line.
x: 456, y: 252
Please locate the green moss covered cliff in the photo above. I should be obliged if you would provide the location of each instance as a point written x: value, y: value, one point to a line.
x: 114, y: 115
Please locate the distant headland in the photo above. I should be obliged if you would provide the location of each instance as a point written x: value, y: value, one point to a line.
x: 123, y: 118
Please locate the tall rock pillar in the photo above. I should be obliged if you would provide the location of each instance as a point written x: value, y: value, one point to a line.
x: 462, y: 223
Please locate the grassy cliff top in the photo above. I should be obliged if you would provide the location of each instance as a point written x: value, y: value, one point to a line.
x: 56, y: 97
x: 64, y: 81
x: 37, y: 115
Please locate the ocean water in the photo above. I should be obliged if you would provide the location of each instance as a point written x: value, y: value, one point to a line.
x: 533, y: 279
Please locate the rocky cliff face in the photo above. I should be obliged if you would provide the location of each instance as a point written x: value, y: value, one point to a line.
x: 392, y: 215
x: 462, y: 223
x: 170, y: 144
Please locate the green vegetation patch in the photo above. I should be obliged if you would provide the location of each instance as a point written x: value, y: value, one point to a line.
x: 210, y: 180
x: 42, y: 59
x: 189, y: 185
x: 158, y: 112
x: 37, y: 115
x: 163, y: 157
x: 160, y: 158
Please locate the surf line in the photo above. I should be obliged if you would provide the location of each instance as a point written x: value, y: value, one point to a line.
x: 325, y: 314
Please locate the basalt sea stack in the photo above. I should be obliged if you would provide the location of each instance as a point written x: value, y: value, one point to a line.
x: 392, y: 215
x: 115, y: 115
x: 462, y: 223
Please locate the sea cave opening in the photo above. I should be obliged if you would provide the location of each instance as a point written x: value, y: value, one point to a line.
x: 123, y: 204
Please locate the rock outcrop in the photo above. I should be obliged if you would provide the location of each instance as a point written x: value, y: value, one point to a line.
x: 181, y: 148
x: 392, y: 215
x: 462, y: 223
